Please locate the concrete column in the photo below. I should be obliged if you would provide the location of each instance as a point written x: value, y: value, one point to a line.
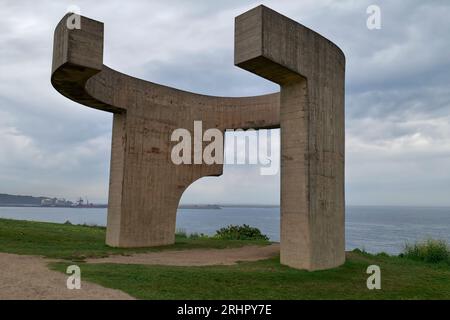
x: 310, y: 71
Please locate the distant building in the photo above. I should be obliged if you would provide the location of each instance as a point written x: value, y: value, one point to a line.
x: 79, y: 203
x: 60, y: 202
x: 48, y: 202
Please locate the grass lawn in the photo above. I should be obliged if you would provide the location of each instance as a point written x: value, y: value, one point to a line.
x: 72, y: 242
x: 401, y: 278
x: 267, y: 279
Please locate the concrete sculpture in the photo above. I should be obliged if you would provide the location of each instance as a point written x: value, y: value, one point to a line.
x: 145, y: 186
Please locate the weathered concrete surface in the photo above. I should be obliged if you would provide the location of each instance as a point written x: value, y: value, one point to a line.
x: 310, y: 70
x: 145, y: 186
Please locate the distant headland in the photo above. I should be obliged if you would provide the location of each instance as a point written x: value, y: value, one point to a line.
x: 9, y: 200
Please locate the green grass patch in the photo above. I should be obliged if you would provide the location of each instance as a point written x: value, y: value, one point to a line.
x: 267, y: 279
x: 431, y: 251
x: 73, y: 242
x: 401, y: 278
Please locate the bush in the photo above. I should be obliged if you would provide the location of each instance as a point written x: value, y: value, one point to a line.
x: 92, y: 225
x: 433, y: 251
x: 360, y: 251
x: 382, y: 255
x: 244, y: 232
x: 181, y: 233
x: 196, y: 236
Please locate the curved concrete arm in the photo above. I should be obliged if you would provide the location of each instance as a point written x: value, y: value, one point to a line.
x: 79, y: 74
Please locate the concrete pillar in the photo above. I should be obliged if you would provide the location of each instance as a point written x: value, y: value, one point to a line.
x: 311, y: 73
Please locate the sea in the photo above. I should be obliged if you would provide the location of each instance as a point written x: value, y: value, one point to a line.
x: 374, y: 229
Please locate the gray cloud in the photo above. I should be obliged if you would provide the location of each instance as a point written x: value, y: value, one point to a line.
x: 397, y: 102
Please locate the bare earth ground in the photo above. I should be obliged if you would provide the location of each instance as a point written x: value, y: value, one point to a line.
x: 196, y: 257
x: 28, y: 277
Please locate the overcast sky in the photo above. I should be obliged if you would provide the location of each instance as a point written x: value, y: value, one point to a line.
x: 397, y: 94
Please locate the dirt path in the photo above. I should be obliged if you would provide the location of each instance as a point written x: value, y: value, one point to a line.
x: 196, y: 257
x: 28, y: 277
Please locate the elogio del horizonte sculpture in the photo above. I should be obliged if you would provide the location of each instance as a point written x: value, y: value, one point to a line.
x: 146, y: 186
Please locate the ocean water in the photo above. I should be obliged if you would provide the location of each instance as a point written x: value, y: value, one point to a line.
x: 372, y: 228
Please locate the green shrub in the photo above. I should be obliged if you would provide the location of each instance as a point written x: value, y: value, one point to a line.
x: 195, y: 236
x: 244, y: 232
x: 92, y: 225
x: 382, y: 254
x: 360, y: 251
x: 181, y: 233
x: 433, y: 251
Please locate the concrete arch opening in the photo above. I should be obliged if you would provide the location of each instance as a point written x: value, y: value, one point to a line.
x: 243, y: 194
